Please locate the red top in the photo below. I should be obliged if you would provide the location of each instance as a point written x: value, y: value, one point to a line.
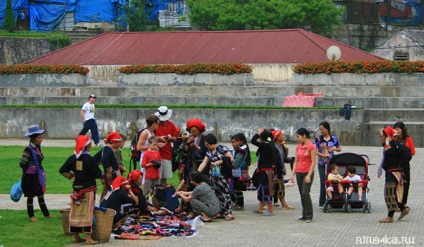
x: 162, y: 130
x: 410, y: 144
x: 304, y: 157
x: 151, y: 171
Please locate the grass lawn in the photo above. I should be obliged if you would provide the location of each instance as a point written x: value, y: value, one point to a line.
x: 54, y: 157
x: 17, y: 230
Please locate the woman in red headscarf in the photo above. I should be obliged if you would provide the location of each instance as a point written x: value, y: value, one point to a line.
x: 194, y: 151
x: 108, y: 159
x: 120, y: 198
x: 393, y: 187
x: 135, y: 178
x: 84, y: 169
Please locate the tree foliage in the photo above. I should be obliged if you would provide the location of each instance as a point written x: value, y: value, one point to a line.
x: 9, y: 21
x: 134, y: 15
x: 319, y: 16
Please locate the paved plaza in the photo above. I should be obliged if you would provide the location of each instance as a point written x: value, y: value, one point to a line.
x: 283, y: 228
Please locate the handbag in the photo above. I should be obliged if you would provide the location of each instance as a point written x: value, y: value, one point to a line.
x: 40, y: 173
x: 16, y: 191
x: 256, y: 177
x: 245, y: 177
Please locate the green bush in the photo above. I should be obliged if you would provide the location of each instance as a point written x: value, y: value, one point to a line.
x: 58, y: 39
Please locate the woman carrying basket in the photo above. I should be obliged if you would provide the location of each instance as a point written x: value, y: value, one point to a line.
x: 84, y: 169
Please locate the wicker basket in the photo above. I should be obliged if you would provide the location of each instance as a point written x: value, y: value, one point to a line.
x: 65, y: 220
x: 103, y: 224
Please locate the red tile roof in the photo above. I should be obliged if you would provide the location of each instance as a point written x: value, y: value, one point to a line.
x: 267, y: 46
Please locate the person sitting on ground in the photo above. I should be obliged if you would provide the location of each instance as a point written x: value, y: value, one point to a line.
x: 202, y: 199
x: 334, y: 176
x: 353, y: 177
x: 135, y: 179
x: 120, y: 198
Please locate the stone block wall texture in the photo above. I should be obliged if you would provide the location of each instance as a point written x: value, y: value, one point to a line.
x: 66, y: 123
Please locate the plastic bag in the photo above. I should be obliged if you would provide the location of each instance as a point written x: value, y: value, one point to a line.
x: 16, y: 191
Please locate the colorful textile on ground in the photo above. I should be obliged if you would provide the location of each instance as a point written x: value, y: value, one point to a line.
x: 160, y: 225
x: 301, y: 100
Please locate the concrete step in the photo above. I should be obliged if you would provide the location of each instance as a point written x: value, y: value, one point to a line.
x: 160, y: 99
x: 372, y: 102
x: 363, y: 91
x: 370, y: 134
x: 243, y: 91
x: 395, y: 115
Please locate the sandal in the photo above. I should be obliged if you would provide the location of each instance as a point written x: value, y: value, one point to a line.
x: 78, y: 240
x: 288, y: 207
x: 218, y: 216
x: 229, y: 217
x: 257, y: 212
x: 266, y: 213
x: 33, y: 219
x: 205, y: 221
x: 92, y: 242
x: 386, y: 220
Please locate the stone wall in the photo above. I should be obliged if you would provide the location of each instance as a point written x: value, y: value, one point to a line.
x: 19, y: 50
x: 66, y: 123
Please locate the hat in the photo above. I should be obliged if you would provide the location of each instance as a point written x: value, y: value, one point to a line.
x: 92, y: 96
x: 34, y: 129
x: 113, y: 137
x: 163, y: 113
x: 195, y: 122
x: 81, y: 142
x: 134, y: 175
x: 389, y: 131
x: 118, y: 182
x: 276, y: 133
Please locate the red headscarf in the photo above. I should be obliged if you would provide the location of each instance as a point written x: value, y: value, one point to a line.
x: 81, y: 142
x: 113, y: 137
x: 276, y: 134
x: 118, y: 182
x: 133, y: 176
x: 195, y: 122
x: 389, y: 131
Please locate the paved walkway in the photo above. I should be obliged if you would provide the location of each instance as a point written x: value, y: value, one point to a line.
x: 327, y: 229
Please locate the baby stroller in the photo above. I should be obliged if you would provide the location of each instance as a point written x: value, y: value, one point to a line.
x: 341, y: 200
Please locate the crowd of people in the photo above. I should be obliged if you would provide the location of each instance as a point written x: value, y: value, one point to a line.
x: 212, y: 176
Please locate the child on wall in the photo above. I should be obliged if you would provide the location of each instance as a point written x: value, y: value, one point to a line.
x: 151, y: 162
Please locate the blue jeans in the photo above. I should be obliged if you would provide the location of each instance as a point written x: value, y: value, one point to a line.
x: 92, y: 126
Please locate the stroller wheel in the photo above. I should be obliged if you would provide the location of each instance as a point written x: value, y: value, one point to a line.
x: 344, y: 208
x: 369, y: 207
x: 364, y: 208
x: 325, y: 208
x: 349, y: 208
x: 329, y: 208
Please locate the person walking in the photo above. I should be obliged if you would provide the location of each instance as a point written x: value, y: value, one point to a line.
x: 84, y: 171
x: 303, y: 169
x: 33, y: 177
x: 167, y: 133
x: 88, y: 120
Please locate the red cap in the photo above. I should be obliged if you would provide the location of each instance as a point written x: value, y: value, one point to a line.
x: 276, y: 134
x: 389, y: 131
x: 195, y: 122
x: 113, y: 137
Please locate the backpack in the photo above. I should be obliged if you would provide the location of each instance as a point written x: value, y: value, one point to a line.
x: 404, y: 152
x: 135, y: 155
x: 163, y: 197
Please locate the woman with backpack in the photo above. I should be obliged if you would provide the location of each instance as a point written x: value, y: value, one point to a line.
x: 403, y: 137
x: 326, y: 145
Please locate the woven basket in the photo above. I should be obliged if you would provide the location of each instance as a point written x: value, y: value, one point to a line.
x: 104, y: 224
x: 65, y: 220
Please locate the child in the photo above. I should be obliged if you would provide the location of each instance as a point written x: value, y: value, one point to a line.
x: 334, y: 176
x: 351, y: 176
x: 118, y: 155
x: 151, y: 162
x: 241, y: 154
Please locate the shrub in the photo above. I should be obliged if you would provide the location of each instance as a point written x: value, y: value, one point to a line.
x: 380, y: 66
x: 43, y: 69
x: 189, y: 69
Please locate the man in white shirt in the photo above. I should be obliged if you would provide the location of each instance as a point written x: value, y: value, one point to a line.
x: 87, y: 117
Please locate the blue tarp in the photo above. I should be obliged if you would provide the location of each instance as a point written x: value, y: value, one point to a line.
x: 44, y: 15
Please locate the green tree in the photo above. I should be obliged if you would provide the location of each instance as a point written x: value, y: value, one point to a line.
x: 319, y: 16
x: 9, y: 21
x: 134, y: 15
